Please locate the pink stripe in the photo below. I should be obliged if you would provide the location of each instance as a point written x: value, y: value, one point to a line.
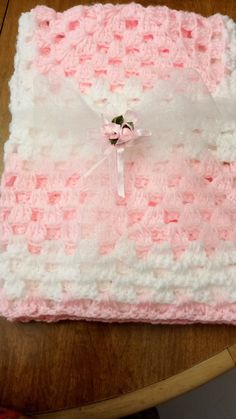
x: 42, y: 206
x: 121, y: 46
x: 47, y: 310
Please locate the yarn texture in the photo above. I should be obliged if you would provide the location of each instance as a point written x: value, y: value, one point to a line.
x: 70, y: 246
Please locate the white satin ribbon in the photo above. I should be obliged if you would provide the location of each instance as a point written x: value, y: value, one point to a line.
x: 177, y: 111
x: 120, y: 171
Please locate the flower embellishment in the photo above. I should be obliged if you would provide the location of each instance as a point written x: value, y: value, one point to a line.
x: 121, y: 129
x: 121, y: 132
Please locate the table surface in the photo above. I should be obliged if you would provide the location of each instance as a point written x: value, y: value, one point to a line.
x: 67, y: 364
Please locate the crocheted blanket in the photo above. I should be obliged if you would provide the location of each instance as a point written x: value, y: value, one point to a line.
x: 118, y: 196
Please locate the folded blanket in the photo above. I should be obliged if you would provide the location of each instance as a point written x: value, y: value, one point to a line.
x: 118, y: 196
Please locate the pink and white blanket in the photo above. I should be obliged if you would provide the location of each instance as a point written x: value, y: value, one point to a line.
x: 118, y: 196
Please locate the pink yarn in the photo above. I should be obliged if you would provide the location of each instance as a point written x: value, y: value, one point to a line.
x: 185, y: 313
x: 107, y: 41
x: 50, y: 209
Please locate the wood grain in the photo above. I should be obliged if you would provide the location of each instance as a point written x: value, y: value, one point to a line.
x: 68, y: 364
x: 56, y: 366
x: 151, y: 395
x: 232, y: 352
x: 3, y: 8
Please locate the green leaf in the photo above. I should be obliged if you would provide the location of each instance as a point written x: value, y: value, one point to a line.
x: 131, y: 124
x: 118, y: 120
x: 113, y: 141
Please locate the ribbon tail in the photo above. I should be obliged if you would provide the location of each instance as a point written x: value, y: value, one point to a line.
x: 94, y: 167
x: 120, y: 171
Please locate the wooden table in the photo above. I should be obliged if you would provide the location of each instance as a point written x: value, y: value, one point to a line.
x: 69, y: 364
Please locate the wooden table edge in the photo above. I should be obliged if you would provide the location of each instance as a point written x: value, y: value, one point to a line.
x: 153, y: 394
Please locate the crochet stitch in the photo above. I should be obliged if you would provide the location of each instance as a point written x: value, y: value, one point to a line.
x: 71, y: 247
